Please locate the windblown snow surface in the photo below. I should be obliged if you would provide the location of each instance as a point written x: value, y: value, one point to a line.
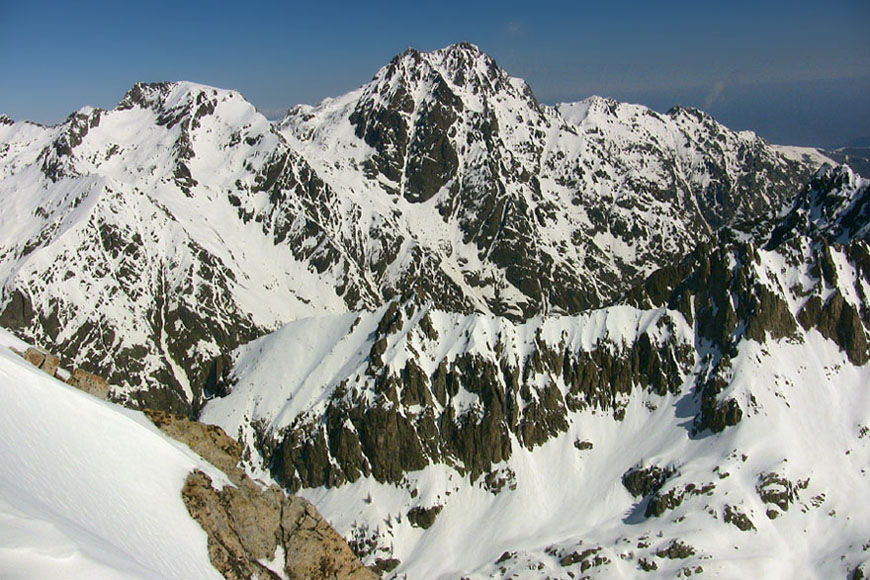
x: 564, y: 511
x: 89, y: 489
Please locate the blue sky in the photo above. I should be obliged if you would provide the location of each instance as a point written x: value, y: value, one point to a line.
x: 796, y: 72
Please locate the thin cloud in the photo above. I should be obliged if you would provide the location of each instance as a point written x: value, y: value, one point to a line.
x: 714, y: 93
x: 514, y: 28
x: 735, y: 77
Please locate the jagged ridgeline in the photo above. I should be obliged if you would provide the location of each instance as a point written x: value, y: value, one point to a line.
x: 145, y: 242
x: 428, y: 304
x: 706, y: 402
x: 392, y: 391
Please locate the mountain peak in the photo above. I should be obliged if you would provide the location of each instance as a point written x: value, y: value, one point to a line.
x: 835, y: 204
x: 464, y: 64
x: 146, y: 95
x: 840, y: 177
x: 173, y: 102
x: 693, y: 112
x: 169, y: 95
x: 464, y: 46
x: 464, y: 67
x: 462, y: 51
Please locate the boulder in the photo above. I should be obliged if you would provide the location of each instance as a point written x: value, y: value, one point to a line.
x: 89, y: 383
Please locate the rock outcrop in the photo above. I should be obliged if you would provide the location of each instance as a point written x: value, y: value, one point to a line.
x: 89, y: 383
x: 79, y: 378
x: 251, y: 530
x: 210, y: 441
x: 390, y: 415
x: 42, y: 360
x: 256, y: 531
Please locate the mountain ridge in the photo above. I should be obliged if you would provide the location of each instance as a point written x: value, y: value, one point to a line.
x: 520, y: 229
x: 671, y: 394
x: 434, y: 305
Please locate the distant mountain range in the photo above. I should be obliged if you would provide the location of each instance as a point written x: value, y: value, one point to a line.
x: 437, y: 308
x: 148, y: 240
x: 855, y: 156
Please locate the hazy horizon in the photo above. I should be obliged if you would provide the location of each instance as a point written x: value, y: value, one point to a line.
x: 791, y: 72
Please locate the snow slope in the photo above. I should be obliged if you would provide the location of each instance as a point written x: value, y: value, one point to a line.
x: 88, y: 489
x: 806, y: 420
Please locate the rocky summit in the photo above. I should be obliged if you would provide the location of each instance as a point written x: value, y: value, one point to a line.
x: 146, y: 241
x: 487, y: 337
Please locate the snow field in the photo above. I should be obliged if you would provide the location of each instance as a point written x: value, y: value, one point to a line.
x: 88, y: 489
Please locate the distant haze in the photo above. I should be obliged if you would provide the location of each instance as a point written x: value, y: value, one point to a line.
x: 829, y: 113
x: 795, y: 72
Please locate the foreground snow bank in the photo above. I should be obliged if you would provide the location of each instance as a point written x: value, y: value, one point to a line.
x: 87, y: 489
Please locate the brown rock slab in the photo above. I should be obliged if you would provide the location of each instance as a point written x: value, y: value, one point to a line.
x: 42, y: 360
x: 247, y: 523
x: 89, y: 383
x: 210, y: 441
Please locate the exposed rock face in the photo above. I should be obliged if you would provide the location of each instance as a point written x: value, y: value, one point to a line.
x: 42, y: 360
x: 209, y: 441
x: 828, y: 229
x: 839, y: 321
x: 734, y: 516
x: 722, y: 286
x: 776, y: 490
x: 247, y: 524
x: 834, y: 205
x: 424, y: 517
x: 89, y: 383
x: 643, y: 481
x: 540, y: 201
x: 390, y: 414
x: 735, y: 289
x: 219, y: 512
x: 676, y: 550
x: 79, y: 378
x: 587, y: 559
x: 663, y: 501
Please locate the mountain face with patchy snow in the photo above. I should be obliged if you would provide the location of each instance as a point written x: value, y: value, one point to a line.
x: 530, y: 209
x: 630, y: 342
x: 124, y: 246
x: 712, y: 420
x: 147, y: 241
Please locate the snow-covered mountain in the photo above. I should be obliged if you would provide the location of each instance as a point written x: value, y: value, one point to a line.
x: 526, y: 208
x: 147, y: 241
x: 630, y: 342
x: 124, y: 246
x: 716, y: 420
x: 835, y: 206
